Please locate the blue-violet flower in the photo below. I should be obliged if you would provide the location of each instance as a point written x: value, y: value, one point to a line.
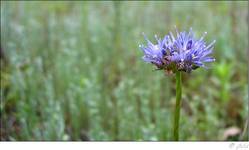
x: 181, y: 53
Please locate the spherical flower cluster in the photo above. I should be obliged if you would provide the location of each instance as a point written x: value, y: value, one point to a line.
x: 181, y: 53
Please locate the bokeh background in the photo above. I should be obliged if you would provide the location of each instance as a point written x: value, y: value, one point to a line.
x: 73, y: 71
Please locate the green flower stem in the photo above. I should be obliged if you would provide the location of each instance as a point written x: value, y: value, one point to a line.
x: 177, y: 105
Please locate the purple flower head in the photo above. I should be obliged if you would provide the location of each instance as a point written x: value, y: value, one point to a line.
x: 181, y: 53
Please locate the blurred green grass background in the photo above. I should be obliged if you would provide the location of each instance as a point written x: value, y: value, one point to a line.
x: 73, y: 71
